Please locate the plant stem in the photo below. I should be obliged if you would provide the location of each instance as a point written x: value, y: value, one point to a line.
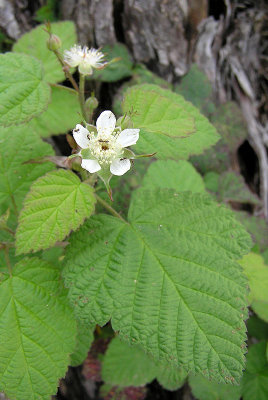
x: 6, y: 251
x: 14, y: 205
x: 109, y: 208
x: 82, y: 95
x: 7, y: 229
x: 67, y: 73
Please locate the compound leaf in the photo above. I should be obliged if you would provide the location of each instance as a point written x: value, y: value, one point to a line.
x: 180, y: 175
x: 167, y: 279
x: 37, y: 331
x: 62, y: 114
x: 35, y: 44
x: 57, y: 203
x: 23, y: 92
x: 169, y: 125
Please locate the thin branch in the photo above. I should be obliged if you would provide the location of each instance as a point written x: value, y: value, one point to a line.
x: 6, y: 251
x: 109, y: 208
x: 82, y: 95
x: 66, y: 71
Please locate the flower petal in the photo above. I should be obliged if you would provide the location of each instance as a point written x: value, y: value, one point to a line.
x: 73, y: 56
x: 106, y: 122
x: 80, y: 135
x: 120, y: 167
x: 128, y: 137
x: 90, y: 165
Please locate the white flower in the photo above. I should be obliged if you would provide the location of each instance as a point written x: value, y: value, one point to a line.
x: 105, y: 149
x: 84, y: 58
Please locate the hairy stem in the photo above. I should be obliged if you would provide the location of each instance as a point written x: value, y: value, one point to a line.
x: 82, y: 95
x: 7, y: 229
x: 67, y: 73
x: 6, y: 251
x: 109, y: 208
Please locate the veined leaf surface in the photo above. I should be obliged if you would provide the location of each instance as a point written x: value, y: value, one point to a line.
x: 167, y: 278
x: 37, y: 330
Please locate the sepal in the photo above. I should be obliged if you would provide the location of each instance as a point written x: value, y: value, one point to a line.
x: 105, y: 175
x: 124, y: 122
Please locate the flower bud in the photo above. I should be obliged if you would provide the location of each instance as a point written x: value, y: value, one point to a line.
x: 53, y: 42
x: 91, y: 103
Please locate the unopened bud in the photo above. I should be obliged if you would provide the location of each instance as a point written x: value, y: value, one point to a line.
x: 53, y: 42
x: 124, y: 122
x: 91, y: 103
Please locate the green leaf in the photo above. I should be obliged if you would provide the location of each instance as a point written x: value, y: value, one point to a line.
x: 203, y: 389
x: 167, y: 279
x: 140, y: 75
x: 230, y: 123
x: 232, y: 187
x: 84, y: 339
x: 53, y: 255
x: 34, y: 43
x: 216, y: 159
x: 125, y: 365
x: 170, y: 174
x: 23, y: 92
x: 255, y: 379
x: 62, y: 114
x: 257, y: 328
x: 17, y: 146
x: 37, y: 331
x: 196, y: 87
x: 211, y: 181
x: 169, y: 377
x: 154, y: 110
x: 57, y: 203
x: 265, y: 256
x: 256, y: 226
x: 257, y: 273
x: 47, y: 12
x: 169, y: 125
x: 120, y: 69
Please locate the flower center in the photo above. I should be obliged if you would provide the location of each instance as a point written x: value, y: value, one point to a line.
x: 105, y: 149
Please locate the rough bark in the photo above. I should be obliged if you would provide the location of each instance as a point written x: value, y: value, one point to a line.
x: 232, y: 53
x: 93, y: 18
x: 155, y: 32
